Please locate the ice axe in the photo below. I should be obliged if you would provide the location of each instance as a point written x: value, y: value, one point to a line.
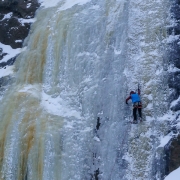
x: 138, y: 86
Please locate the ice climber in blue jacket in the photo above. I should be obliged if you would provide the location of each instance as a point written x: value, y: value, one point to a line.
x: 135, y: 97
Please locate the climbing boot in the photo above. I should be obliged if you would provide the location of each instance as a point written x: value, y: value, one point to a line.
x: 135, y: 122
x: 140, y: 119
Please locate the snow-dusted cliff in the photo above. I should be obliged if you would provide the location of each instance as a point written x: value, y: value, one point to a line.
x: 78, y: 64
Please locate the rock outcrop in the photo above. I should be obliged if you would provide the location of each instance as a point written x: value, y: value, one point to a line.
x: 14, y: 24
x: 173, y: 155
x: 172, y: 149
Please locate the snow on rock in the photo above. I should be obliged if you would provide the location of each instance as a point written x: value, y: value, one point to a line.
x: 169, y: 116
x: 172, y: 38
x: 175, y: 175
x: 53, y: 105
x: 165, y: 140
x: 28, y: 5
x: 96, y: 139
x: 58, y: 106
x: 5, y: 71
x: 67, y: 4
x: 7, y: 16
x: 47, y: 3
x: 10, y: 52
x: 175, y: 102
x: 178, y: 125
x: 31, y: 89
x: 23, y: 21
x: 172, y: 68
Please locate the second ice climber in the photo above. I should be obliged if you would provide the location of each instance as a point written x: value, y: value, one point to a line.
x: 135, y: 97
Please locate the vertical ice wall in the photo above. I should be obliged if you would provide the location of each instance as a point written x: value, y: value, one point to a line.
x: 147, y: 65
x: 70, y: 75
x: 80, y: 63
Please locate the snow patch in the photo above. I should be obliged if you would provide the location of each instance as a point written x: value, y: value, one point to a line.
x: 67, y: 4
x: 178, y: 125
x: 149, y: 118
x: 10, y: 52
x: 7, y: 16
x: 172, y: 38
x: 175, y: 102
x: 31, y: 89
x: 18, y: 41
x: 23, y: 21
x: 58, y: 106
x: 95, y: 7
x: 87, y: 54
x: 168, y: 116
x: 5, y: 71
x: 149, y: 106
x: 47, y: 3
x: 171, y: 68
x: 165, y: 140
x: 117, y: 51
x: 96, y: 139
x: 28, y: 5
x: 159, y: 71
x: 173, y: 175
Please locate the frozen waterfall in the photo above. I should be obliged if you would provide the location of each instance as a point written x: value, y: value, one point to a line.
x: 78, y: 67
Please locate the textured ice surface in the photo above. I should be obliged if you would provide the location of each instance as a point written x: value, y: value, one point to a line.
x: 82, y: 59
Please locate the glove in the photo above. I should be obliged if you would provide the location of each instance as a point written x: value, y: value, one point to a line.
x: 126, y: 102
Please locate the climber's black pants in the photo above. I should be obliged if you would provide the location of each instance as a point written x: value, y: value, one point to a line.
x: 137, y: 106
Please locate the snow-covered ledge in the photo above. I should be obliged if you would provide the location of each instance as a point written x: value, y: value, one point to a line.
x: 175, y: 175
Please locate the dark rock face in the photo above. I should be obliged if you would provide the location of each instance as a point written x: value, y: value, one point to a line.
x: 13, y: 33
x: 14, y: 28
x: 172, y: 151
x: 21, y: 8
x: 174, y: 54
x: 12, y: 13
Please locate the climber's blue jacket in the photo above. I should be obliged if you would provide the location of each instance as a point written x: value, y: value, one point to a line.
x: 134, y: 97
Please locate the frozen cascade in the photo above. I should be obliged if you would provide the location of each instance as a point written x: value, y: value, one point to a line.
x: 79, y: 65
x: 147, y: 65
